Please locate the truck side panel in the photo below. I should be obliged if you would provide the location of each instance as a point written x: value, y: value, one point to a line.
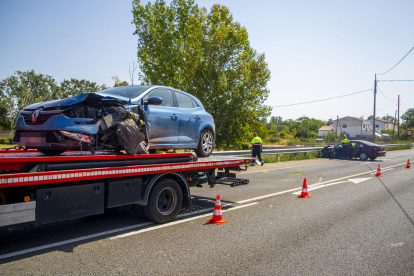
x: 62, y: 203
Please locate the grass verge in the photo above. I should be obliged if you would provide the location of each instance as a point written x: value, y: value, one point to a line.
x: 402, y: 147
x: 291, y: 157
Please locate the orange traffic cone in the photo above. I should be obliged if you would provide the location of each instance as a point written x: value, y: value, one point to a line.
x: 217, y: 217
x: 408, y: 164
x: 304, y: 193
x: 378, y: 171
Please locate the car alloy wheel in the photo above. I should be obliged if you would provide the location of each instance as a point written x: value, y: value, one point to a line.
x: 363, y: 156
x: 207, y: 142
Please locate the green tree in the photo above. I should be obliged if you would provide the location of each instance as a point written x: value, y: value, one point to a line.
x: 74, y: 87
x: 408, y: 117
x: 118, y: 82
x: 209, y: 55
x: 24, y: 88
x: 5, y: 122
x: 388, y: 118
x: 277, y: 120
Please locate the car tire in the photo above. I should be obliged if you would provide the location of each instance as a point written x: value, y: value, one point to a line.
x: 164, y: 202
x: 51, y: 152
x: 363, y: 156
x: 205, y: 144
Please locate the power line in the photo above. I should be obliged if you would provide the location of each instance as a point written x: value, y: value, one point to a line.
x: 397, y: 62
x: 323, y: 99
x: 394, y: 80
x: 380, y: 108
x: 384, y: 95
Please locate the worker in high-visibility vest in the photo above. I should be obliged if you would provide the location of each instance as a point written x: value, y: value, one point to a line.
x: 256, y: 146
x: 345, y: 144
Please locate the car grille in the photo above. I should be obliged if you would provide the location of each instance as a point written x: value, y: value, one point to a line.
x: 41, y: 119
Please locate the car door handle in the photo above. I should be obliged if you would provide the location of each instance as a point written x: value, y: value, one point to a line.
x: 174, y: 116
x: 197, y: 117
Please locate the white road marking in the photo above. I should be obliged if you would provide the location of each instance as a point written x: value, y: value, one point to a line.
x: 21, y: 252
x: 397, y: 244
x: 43, y: 247
x: 176, y: 222
x: 151, y: 223
x: 359, y: 180
x: 319, y: 186
x: 293, y: 167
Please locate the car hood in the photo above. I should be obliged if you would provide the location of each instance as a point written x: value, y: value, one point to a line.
x: 93, y: 98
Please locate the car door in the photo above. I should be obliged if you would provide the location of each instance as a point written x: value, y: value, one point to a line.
x: 162, y: 120
x: 189, y: 119
x: 353, y: 149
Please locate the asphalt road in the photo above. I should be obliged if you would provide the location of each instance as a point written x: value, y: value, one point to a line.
x: 354, y: 224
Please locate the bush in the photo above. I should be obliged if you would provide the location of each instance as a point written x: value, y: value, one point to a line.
x: 11, y: 138
x: 274, y: 139
x: 313, y: 134
x: 2, y: 140
x: 293, y: 141
x: 245, y: 146
x: 283, y: 134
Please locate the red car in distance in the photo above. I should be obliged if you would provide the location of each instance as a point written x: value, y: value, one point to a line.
x: 357, y: 148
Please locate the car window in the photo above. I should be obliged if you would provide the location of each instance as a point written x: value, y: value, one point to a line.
x: 354, y: 144
x: 361, y: 145
x: 166, y: 96
x: 195, y: 104
x: 184, y: 101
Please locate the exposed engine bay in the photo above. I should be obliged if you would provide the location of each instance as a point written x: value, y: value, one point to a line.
x: 117, y: 127
x: 94, y: 123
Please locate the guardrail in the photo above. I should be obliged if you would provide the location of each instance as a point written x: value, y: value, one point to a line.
x: 279, y: 151
x: 265, y: 152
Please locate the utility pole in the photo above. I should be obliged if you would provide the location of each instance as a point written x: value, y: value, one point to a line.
x: 375, y: 102
x: 393, y: 128
x: 398, y: 122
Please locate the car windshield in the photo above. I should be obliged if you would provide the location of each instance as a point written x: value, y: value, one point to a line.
x: 130, y: 92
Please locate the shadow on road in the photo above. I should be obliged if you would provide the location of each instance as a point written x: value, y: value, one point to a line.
x: 26, y: 237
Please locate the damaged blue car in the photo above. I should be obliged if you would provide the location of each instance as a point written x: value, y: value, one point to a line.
x: 138, y: 119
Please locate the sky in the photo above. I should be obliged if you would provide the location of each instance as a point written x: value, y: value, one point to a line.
x: 314, y: 49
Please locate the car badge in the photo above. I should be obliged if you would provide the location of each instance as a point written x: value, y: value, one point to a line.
x: 35, y: 115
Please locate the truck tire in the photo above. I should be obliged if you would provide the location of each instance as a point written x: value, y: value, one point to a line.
x: 205, y: 144
x: 164, y: 202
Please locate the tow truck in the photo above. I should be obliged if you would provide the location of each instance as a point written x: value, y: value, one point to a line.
x: 44, y: 189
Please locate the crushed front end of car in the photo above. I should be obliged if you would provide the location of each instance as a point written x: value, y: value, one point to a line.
x: 90, y: 121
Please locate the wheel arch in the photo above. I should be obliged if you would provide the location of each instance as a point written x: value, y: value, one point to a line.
x: 176, y: 176
x: 208, y: 127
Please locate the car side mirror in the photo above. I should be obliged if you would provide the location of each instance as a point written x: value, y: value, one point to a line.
x: 153, y: 101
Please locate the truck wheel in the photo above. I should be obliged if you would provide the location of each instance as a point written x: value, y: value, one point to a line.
x: 205, y: 144
x: 164, y: 202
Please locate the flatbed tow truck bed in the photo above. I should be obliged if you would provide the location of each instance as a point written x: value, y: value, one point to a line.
x: 42, y: 189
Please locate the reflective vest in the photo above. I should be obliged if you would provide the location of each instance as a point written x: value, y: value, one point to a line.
x: 257, y: 140
x: 345, y: 141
